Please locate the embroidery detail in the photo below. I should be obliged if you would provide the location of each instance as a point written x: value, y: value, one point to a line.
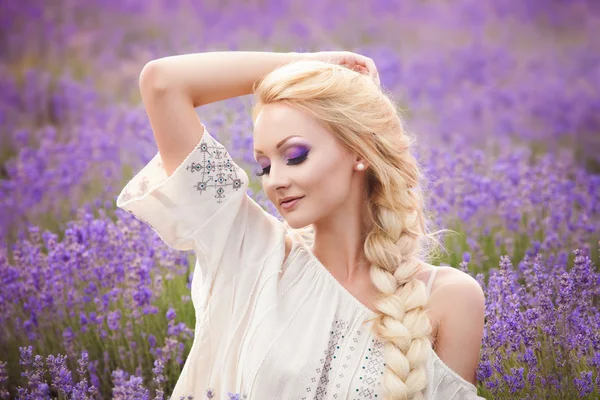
x: 336, y: 340
x: 218, y: 173
x: 126, y: 196
x: 369, y: 378
x: 143, y: 185
x: 217, y: 170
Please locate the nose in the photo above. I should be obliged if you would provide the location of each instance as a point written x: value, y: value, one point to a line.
x: 277, y: 179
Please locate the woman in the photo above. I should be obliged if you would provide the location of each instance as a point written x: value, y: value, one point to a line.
x: 333, y: 302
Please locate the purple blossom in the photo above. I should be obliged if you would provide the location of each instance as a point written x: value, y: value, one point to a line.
x: 62, y: 379
x: 128, y: 387
x: 171, y: 314
x: 151, y: 340
x: 3, y: 379
x: 114, y: 320
x: 158, y: 379
x: 584, y: 383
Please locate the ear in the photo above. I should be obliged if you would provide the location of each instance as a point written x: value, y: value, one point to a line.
x: 358, y: 159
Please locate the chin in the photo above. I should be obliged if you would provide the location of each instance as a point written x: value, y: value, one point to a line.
x: 296, y: 222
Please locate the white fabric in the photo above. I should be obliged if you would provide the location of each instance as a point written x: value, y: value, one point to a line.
x: 265, y: 329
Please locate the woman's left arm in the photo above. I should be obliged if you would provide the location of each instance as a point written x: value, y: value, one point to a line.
x: 461, y: 305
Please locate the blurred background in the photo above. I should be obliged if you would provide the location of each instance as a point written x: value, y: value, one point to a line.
x: 502, y: 96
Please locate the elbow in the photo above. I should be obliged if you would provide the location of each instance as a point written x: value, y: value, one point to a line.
x: 153, y: 79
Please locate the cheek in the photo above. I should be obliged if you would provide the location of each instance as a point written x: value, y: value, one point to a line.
x: 328, y: 184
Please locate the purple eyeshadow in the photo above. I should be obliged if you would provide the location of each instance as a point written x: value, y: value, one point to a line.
x: 298, y: 151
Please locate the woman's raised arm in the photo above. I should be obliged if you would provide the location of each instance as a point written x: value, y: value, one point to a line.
x: 214, y: 76
x: 172, y: 87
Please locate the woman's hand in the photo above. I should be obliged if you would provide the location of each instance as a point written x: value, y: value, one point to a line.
x: 354, y: 61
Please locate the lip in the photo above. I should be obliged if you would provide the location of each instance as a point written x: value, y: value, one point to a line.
x: 291, y: 204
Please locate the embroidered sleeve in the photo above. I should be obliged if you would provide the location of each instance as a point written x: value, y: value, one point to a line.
x: 202, y: 206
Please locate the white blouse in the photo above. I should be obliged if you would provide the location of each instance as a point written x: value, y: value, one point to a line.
x: 265, y: 329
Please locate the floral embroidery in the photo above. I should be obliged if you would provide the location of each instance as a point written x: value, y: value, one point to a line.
x: 217, y: 170
x: 126, y: 196
x: 143, y: 183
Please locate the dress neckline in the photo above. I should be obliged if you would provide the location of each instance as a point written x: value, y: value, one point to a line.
x: 296, y: 245
x: 342, y: 289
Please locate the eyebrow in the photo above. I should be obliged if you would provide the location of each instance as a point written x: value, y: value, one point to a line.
x: 279, y: 144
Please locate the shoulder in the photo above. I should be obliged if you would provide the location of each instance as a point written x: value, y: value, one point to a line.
x: 459, y: 302
x: 457, y: 298
x: 453, y: 284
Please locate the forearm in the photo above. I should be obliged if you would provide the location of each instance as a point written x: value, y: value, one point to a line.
x: 213, y: 76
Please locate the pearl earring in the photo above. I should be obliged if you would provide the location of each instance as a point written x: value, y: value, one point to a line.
x: 360, y: 166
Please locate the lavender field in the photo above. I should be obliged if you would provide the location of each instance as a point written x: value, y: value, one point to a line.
x: 503, y: 98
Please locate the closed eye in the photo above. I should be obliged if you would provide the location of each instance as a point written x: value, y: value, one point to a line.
x: 291, y: 161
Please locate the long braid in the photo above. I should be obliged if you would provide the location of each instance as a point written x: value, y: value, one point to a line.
x: 403, y: 325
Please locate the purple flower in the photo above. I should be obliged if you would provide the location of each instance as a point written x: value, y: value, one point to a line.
x: 128, y: 387
x: 158, y: 379
x: 171, y: 314
x: 113, y: 320
x: 466, y: 257
x: 3, y: 378
x: 61, y: 377
x: 152, y: 340
x: 584, y: 383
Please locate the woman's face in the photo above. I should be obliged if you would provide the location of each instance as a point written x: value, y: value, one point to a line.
x: 309, y: 162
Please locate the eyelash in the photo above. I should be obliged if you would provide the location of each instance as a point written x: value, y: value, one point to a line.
x: 293, y: 161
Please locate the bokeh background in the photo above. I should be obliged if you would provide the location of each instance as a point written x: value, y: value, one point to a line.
x: 504, y: 100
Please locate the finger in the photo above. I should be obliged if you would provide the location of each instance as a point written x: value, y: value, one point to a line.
x: 370, y: 64
x: 374, y: 72
x: 360, y: 69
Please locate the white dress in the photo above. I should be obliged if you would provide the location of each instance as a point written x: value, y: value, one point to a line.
x: 264, y: 329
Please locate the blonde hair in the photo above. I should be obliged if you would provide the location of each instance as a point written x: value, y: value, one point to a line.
x: 365, y: 120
